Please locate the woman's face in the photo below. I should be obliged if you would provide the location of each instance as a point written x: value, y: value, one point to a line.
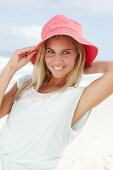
x: 60, y: 57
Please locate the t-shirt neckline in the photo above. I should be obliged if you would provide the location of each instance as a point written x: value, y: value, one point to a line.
x: 49, y: 93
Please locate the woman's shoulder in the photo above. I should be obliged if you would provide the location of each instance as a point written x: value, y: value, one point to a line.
x: 23, y: 79
x: 76, y: 88
x: 26, y: 76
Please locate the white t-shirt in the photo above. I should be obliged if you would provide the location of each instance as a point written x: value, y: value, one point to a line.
x: 30, y: 98
x: 36, y: 133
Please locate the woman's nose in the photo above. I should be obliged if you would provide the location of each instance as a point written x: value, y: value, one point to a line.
x: 58, y: 58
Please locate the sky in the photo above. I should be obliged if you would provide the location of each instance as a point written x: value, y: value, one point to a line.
x: 21, y: 22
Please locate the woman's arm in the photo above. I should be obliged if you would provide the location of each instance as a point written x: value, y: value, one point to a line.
x: 99, y: 67
x: 98, y: 90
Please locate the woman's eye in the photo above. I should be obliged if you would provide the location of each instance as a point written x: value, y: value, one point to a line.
x: 66, y: 52
x: 50, y: 51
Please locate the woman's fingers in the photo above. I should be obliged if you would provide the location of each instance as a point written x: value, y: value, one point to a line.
x: 25, y: 50
x: 21, y: 57
x: 30, y: 55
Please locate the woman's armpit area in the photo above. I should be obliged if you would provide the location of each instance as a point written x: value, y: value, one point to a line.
x: 79, y: 110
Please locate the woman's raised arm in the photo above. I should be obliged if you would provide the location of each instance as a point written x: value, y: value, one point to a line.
x: 98, y: 90
x: 99, y: 67
x: 16, y: 62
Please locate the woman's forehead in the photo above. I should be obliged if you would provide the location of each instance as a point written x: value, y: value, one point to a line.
x: 59, y: 41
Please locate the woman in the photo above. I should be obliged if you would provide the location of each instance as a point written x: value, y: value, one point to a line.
x: 48, y: 109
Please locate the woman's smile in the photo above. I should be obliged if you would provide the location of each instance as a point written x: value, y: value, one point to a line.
x: 58, y: 69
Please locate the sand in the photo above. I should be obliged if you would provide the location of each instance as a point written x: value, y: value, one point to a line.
x: 92, y: 149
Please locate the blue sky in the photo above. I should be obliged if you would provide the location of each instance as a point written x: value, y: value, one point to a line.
x: 21, y: 22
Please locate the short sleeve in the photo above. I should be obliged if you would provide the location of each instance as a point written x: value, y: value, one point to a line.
x: 22, y: 79
x: 78, y: 126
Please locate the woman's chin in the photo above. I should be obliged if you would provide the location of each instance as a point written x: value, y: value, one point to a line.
x: 58, y: 76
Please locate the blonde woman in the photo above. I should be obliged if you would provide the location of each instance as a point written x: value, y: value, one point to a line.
x: 48, y: 109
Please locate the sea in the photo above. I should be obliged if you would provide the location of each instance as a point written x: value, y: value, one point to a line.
x: 27, y: 69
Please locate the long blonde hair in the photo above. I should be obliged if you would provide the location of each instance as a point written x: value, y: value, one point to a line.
x: 41, y: 74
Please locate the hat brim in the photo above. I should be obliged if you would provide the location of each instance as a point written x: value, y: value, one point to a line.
x: 90, y: 49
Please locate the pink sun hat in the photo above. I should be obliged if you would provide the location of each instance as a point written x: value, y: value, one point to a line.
x: 62, y: 25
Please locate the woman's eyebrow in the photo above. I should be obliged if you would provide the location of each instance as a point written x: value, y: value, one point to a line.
x: 49, y: 48
x: 62, y: 50
x: 67, y: 49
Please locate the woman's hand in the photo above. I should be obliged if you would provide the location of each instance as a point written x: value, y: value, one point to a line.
x: 21, y: 58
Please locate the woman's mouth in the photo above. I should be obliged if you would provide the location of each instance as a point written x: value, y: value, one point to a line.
x: 58, y: 68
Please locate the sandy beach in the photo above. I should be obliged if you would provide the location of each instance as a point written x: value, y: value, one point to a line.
x: 92, y: 149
